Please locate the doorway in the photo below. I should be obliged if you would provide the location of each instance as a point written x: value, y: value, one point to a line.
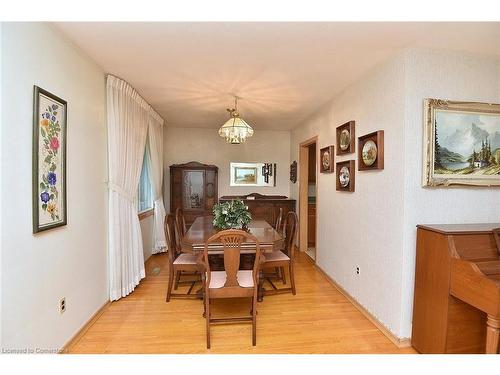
x: 308, y: 196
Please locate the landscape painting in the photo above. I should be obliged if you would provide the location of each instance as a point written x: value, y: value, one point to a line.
x: 245, y: 175
x: 463, y: 144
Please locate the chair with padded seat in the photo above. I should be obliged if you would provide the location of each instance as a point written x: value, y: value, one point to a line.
x: 232, y: 282
x: 179, y: 262
x: 283, y: 258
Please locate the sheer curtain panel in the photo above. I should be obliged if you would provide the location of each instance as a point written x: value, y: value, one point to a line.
x: 156, y: 153
x: 127, y: 120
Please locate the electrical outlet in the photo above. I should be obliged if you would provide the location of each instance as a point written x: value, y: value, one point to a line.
x: 357, y: 270
x: 62, y: 305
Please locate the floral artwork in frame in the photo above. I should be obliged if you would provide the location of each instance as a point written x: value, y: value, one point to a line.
x: 49, y: 160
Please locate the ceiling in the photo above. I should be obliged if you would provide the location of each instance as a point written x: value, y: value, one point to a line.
x: 283, y: 72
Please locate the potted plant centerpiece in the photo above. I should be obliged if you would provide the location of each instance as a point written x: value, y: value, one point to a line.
x: 231, y: 215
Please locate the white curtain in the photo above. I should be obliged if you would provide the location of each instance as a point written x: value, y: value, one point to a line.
x: 128, y: 118
x: 156, y: 168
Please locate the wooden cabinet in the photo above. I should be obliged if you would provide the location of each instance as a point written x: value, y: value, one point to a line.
x: 311, y: 225
x: 193, y: 187
x: 265, y: 207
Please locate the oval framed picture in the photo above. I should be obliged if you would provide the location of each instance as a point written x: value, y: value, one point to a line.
x: 369, y: 153
x: 326, y: 159
x: 345, y: 139
x: 344, y: 177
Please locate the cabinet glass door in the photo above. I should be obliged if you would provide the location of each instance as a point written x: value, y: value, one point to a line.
x: 194, y: 192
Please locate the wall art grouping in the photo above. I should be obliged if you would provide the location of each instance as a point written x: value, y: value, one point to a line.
x: 461, y: 143
x: 49, y: 160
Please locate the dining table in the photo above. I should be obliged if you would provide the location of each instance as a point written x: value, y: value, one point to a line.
x: 202, y: 229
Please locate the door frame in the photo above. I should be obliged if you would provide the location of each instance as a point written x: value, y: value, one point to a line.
x: 303, y: 191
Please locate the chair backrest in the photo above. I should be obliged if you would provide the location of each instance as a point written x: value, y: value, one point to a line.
x: 231, y: 240
x: 279, y: 221
x: 180, y: 222
x: 172, y: 238
x: 496, y: 234
x: 289, y: 231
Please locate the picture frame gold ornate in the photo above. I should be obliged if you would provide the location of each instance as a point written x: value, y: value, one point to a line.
x: 433, y: 176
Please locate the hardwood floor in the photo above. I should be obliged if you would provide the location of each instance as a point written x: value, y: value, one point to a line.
x: 317, y: 320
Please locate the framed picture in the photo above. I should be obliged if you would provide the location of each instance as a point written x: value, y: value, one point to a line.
x: 252, y: 174
x: 49, y: 160
x: 345, y: 175
x: 461, y: 143
x: 293, y: 172
x: 371, y: 151
x: 345, y: 138
x: 326, y: 159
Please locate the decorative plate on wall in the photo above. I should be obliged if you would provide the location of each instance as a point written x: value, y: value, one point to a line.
x: 345, y: 138
x: 371, y: 154
x: 326, y: 159
x: 345, y: 175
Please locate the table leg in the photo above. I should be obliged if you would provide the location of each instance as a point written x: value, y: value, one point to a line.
x: 492, y: 335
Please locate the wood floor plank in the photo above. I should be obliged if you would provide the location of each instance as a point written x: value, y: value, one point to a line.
x: 319, y: 319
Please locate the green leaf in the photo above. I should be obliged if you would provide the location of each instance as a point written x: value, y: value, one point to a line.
x: 52, y: 196
x: 42, y: 186
x: 47, y: 159
x: 42, y: 132
x: 44, y: 206
x: 53, y: 167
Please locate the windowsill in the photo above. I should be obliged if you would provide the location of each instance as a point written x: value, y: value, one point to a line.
x: 145, y: 214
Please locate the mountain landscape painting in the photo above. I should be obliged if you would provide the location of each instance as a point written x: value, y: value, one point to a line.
x: 466, y: 143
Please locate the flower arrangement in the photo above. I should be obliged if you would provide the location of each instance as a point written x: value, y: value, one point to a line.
x: 233, y: 214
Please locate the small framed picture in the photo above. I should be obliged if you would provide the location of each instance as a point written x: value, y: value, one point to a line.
x: 49, y: 160
x: 345, y: 175
x: 371, y: 151
x: 326, y: 159
x: 345, y: 138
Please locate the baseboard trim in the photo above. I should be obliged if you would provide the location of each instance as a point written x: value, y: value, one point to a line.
x: 399, y: 342
x: 72, y: 341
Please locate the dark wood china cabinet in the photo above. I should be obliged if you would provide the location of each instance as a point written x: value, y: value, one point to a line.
x: 193, y: 187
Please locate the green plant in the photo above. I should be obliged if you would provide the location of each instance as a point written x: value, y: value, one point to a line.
x: 233, y: 214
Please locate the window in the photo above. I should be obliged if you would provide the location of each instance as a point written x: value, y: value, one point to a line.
x: 145, y: 193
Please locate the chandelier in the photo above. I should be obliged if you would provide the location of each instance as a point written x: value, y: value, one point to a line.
x: 235, y: 130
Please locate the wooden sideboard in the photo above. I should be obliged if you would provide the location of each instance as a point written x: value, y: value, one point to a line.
x: 265, y: 207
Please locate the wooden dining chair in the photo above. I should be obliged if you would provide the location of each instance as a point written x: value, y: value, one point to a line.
x: 279, y: 221
x: 232, y: 282
x: 180, y: 222
x: 496, y: 234
x: 179, y: 263
x: 282, y: 258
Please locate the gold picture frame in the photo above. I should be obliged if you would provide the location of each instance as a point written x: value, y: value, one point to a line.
x: 461, y: 143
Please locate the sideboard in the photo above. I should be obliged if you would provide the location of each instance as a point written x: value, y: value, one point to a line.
x: 264, y: 207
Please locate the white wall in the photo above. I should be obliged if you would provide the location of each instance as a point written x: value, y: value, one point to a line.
x: 375, y: 226
x: 70, y: 261
x: 452, y: 76
x: 182, y: 145
x: 363, y: 228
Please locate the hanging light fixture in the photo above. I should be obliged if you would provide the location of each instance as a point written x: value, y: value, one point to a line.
x: 235, y: 130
